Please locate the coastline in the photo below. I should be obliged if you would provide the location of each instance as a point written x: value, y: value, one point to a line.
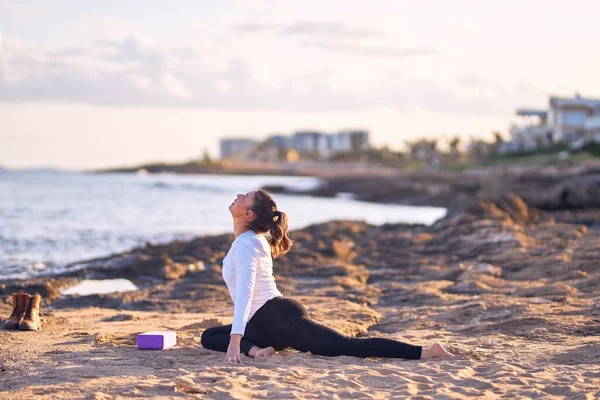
x: 315, y: 169
x: 83, y: 220
x: 547, y: 188
x: 512, y: 290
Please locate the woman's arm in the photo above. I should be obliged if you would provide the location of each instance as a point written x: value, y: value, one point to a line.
x: 245, y: 263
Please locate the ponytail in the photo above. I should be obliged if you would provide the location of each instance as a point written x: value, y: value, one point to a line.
x: 280, y: 241
x: 269, y: 219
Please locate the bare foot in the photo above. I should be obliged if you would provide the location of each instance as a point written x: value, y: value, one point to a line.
x: 436, y: 350
x: 257, y: 352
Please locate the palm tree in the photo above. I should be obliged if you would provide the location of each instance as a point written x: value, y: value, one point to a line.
x: 454, y: 152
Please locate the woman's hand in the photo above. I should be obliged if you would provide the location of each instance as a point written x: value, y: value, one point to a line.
x: 233, y: 354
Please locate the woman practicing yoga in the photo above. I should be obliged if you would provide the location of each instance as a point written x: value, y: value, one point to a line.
x: 264, y: 321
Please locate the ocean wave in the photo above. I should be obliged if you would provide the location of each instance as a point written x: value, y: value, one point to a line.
x: 187, y: 187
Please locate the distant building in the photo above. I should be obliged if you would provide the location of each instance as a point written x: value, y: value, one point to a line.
x: 350, y: 141
x: 308, y: 141
x: 237, y: 148
x: 328, y: 144
x: 530, y: 132
x: 574, y: 121
x: 281, y: 141
x: 567, y: 117
x: 309, y: 144
x: 312, y: 142
x: 592, y: 127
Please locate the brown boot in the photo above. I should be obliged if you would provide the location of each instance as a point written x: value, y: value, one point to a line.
x: 20, y: 302
x: 31, y: 320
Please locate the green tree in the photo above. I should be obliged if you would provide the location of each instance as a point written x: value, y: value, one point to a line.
x: 206, y: 158
x: 454, y: 151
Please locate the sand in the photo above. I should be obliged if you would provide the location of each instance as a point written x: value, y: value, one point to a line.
x: 80, y: 354
x: 514, y: 294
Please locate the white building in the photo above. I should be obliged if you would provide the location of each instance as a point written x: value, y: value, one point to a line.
x: 575, y: 121
x: 346, y: 141
x: 237, y: 148
x: 328, y: 144
x: 530, y: 131
x: 567, y: 117
x: 311, y: 142
x: 281, y: 141
x: 592, y: 127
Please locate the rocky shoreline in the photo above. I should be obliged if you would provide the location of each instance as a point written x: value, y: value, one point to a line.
x: 562, y: 198
x: 545, y: 188
x: 498, y: 280
x: 341, y: 252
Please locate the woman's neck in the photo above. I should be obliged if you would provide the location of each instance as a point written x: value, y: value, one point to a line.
x: 238, y: 228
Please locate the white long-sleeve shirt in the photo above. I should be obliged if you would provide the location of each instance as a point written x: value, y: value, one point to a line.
x: 248, y: 273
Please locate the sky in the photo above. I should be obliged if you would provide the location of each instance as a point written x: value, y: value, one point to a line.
x: 93, y: 84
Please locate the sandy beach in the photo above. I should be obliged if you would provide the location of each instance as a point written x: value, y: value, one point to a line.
x: 513, y: 292
x: 425, y: 173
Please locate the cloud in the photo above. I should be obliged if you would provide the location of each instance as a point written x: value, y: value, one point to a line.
x: 223, y: 85
x: 327, y: 29
x: 114, y: 72
x: 175, y: 87
x: 139, y: 81
x: 334, y: 36
x: 251, y: 28
x: 371, y: 51
x: 472, y: 80
x: 131, y: 72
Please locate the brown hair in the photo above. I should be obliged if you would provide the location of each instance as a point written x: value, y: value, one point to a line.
x: 269, y: 219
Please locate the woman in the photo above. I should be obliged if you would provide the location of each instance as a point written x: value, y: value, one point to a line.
x: 263, y: 320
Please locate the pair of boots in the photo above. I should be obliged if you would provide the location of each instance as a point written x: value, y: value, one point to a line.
x: 26, y: 312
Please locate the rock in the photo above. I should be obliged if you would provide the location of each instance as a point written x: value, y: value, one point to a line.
x: 173, y: 270
x: 577, y: 193
x: 489, y: 342
x: 157, y: 266
x: 343, y: 249
x: 496, y: 314
x: 48, y: 288
x: 470, y: 287
x: 215, y: 268
x: 485, y: 268
x: 541, y: 188
x: 118, y: 317
x: 196, y: 266
x: 539, y: 300
x: 507, y: 207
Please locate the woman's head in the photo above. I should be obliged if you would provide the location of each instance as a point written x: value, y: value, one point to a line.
x: 258, y: 211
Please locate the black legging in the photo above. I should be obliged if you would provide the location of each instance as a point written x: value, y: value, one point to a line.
x: 283, y: 322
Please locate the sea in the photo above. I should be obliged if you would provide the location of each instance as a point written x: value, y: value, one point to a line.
x: 51, y: 219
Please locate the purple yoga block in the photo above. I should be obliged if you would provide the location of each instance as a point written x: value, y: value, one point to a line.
x: 156, y: 340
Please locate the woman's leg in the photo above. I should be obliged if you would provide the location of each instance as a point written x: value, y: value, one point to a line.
x: 293, y: 328
x: 217, y: 338
x: 304, y: 335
